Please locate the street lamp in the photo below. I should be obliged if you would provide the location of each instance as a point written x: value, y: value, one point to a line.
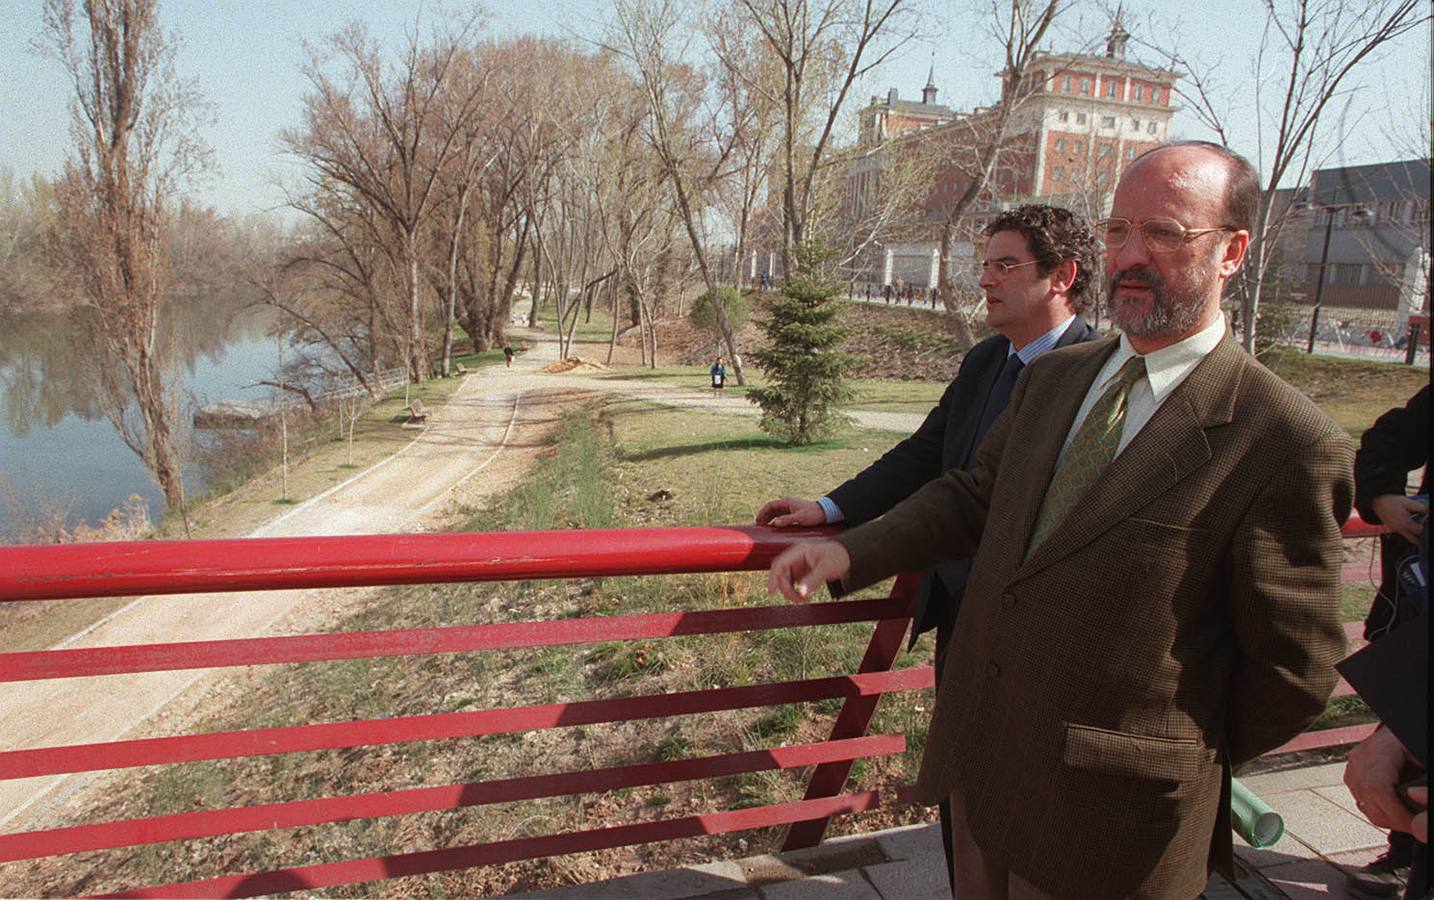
x: 1359, y: 210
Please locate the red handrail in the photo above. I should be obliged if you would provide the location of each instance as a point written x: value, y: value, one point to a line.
x: 128, y: 568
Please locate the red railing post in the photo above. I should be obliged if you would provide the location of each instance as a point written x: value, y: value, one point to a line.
x: 855, y: 716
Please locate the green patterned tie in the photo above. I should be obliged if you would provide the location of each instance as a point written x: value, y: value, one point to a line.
x: 1090, y: 451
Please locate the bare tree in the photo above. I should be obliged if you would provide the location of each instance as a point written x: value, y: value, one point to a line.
x: 975, y: 145
x: 135, y: 125
x: 1307, y: 52
x: 386, y: 135
x: 693, y: 153
x: 823, y: 48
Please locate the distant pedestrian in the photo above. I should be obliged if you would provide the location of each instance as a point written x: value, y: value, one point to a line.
x: 719, y: 375
x: 886, y: 293
x: 935, y: 295
x: 508, y: 354
x: 868, y: 291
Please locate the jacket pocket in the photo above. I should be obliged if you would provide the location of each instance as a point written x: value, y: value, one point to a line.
x: 1135, y: 755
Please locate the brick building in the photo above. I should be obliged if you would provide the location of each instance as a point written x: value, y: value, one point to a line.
x: 1085, y: 117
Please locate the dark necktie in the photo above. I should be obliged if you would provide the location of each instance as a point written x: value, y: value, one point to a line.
x: 996, y: 401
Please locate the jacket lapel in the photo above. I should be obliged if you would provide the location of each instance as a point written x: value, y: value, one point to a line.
x: 959, y: 447
x: 1170, y: 447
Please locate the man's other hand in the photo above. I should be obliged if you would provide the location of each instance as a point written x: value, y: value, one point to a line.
x: 1372, y: 773
x: 802, y: 569
x: 1398, y: 512
x: 790, y: 512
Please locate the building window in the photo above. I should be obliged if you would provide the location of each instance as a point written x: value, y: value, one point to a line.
x: 1139, y: 93
x: 1066, y: 83
x: 1135, y: 124
x: 1150, y: 127
x: 1112, y: 89
x: 1130, y: 152
x: 1080, y: 118
x: 1085, y: 85
x: 1058, y: 174
x: 1105, y: 148
x: 1107, y: 121
x: 1060, y: 144
x: 1065, y: 115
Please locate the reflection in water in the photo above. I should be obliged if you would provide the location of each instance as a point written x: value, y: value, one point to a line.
x: 58, y: 451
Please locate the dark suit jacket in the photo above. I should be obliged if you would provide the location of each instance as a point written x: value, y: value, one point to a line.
x: 1396, y: 444
x: 944, y: 441
x: 1183, y: 618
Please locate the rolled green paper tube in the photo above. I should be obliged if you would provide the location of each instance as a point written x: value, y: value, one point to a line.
x: 1259, y: 825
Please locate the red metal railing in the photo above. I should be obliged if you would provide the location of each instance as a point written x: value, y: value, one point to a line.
x: 122, y: 569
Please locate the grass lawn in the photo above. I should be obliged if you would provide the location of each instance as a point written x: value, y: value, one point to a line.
x: 1353, y: 392
x: 870, y: 394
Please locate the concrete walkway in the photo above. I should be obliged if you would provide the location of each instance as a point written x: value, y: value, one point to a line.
x: 1323, y: 831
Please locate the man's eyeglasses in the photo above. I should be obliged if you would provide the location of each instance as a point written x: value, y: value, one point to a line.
x: 1001, y: 268
x: 1158, y: 234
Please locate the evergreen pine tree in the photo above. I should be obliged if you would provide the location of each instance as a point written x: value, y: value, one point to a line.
x: 803, y: 367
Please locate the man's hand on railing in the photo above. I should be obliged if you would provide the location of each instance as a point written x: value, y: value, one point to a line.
x: 802, y: 569
x: 789, y: 512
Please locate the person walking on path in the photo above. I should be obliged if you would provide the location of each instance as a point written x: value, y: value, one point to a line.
x: 1033, y: 309
x: 508, y: 354
x: 719, y: 375
x: 1155, y: 592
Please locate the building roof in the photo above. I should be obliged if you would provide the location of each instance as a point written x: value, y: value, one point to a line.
x: 1090, y: 61
x: 916, y: 106
x: 1403, y: 180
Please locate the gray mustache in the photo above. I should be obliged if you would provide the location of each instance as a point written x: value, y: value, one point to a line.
x: 1142, y: 274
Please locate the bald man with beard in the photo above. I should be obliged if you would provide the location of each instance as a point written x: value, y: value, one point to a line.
x: 1154, y: 598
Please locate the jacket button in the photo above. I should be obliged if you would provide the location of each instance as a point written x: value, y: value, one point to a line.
x: 1008, y: 600
x: 992, y: 670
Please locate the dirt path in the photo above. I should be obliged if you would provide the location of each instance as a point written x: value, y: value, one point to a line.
x: 476, y: 445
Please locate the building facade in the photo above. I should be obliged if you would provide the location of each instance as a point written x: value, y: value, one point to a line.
x: 1083, y: 119
x: 1366, y: 238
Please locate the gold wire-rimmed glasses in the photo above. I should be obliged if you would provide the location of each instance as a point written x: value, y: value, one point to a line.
x: 1158, y: 234
x: 1000, y: 268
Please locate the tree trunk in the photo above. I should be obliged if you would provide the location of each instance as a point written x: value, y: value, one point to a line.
x: 416, y: 356
x: 948, y: 289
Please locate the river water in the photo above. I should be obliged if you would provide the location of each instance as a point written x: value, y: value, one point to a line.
x: 59, y: 454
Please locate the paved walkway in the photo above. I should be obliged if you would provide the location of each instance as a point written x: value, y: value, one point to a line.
x: 1323, y: 830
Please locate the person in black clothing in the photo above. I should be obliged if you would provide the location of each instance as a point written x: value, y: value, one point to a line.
x: 1040, y: 262
x: 1396, y: 444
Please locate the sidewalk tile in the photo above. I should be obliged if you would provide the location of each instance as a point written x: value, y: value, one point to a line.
x: 1323, y: 825
x: 921, y: 878
x: 1286, y: 850
x: 719, y: 878
x: 1272, y: 783
x: 1309, y: 879
x: 848, y: 885
x: 1355, y: 859
x: 1341, y: 796
x: 911, y: 842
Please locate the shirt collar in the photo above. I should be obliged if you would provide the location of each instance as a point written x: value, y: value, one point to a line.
x: 1167, y: 367
x: 1042, y: 344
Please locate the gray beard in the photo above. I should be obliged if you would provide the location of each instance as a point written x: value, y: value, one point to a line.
x: 1174, y: 311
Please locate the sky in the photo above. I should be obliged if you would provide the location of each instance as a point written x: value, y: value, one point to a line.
x: 246, y: 56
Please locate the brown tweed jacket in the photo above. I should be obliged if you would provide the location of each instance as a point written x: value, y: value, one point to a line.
x: 1183, y: 619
